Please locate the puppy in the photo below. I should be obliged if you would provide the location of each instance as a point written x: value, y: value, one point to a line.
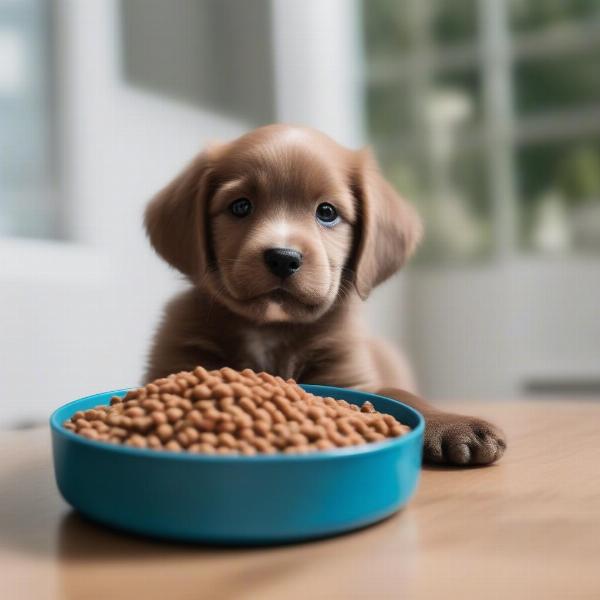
x: 282, y: 234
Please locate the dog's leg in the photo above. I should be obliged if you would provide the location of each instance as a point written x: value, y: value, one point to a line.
x: 453, y: 439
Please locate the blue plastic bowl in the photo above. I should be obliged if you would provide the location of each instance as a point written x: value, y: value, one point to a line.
x: 238, y: 499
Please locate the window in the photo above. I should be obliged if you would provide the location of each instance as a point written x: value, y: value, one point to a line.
x: 27, y: 194
x: 487, y: 114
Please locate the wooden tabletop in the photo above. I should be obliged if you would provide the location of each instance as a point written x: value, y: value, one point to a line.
x: 528, y: 527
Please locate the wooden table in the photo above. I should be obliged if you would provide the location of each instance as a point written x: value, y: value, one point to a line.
x: 528, y: 527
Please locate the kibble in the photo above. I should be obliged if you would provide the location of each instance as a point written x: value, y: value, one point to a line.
x: 228, y: 412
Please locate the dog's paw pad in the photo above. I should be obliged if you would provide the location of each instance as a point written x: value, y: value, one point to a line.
x: 462, y: 441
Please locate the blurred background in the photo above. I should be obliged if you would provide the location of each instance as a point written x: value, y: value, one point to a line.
x: 484, y: 113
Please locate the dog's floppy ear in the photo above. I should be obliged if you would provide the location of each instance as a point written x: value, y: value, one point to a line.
x: 175, y: 218
x: 388, y: 229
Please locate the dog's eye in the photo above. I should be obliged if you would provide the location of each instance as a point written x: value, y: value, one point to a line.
x: 327, y: 215
x: 241, y: 207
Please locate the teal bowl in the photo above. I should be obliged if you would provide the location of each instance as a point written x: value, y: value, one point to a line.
x: 262, y: 499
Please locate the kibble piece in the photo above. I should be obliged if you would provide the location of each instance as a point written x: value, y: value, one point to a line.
x: 261, y: 427
x: 208, y: 425
x: 298, y: 439
x: 398, y: 429
x: 201, y: 373
x: 113, y: 419
x: 242, y: 421
x: 203, y: 405
x: 278, y: 417
x: 229, y: 374
x: 192, y: 434
x: 173, y: 446
x: 125, y: 421
x: 292, y: 394
x: 324, y: 445
x: 315, y: 412
x: 164, y: 432
x: 263, y: 415
x: 195, y: 418
x: 88, y: 432
x: 345, y: 427
x: 173, y: 414
x: 380, y: 426
x: 137, y: 441
x: 169, y: 387
x: 135, y: 411
x: 221, y: 390
x: 100, y: 426
x: 152, y: 388
x: 201, y: 392
x: 247, y: 449
x: 226, y: 403
x: 183, y: 439
x: 141, y: 424
x: 239, y: 390
x: 248, y: 405
x: 226, y: 439
x: 158, y: 417
x: 246, y: 434
x: 154, y: 442
x: 261, y: 445
x: 269, y: 407
x: 151, y: 405
x: 309, y: 430
x: 118, y: 432
x: 225, y: 427
x: 373, y: 436
x: 208, y: 438
x: 213, y: 413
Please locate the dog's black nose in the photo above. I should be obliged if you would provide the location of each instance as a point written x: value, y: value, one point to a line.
x: 283, y: 262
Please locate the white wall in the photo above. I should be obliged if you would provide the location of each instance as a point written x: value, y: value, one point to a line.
x: 492, y: 331
x: 77, y: 316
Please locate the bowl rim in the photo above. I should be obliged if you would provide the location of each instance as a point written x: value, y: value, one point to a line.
x: 337, y: 453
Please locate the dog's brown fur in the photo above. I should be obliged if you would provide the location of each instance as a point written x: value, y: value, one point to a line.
x: 307, y: 326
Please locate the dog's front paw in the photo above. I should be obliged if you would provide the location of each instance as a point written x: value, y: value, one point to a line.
x: 457, y: 440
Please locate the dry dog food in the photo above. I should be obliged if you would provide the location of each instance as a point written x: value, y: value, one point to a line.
x: 231, y: 412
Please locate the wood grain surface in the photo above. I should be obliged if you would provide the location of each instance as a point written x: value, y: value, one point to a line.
x: 528, y: 527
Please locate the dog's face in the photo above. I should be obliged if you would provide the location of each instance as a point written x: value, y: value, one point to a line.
x: 281, y: 221
x: 276, y: 223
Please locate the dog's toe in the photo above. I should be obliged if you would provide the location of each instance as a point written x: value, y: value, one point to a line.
x: 462, y: 441
x: 488, y: 447
x: 458, y: 453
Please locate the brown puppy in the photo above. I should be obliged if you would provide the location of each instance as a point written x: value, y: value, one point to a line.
x: 283, y: 233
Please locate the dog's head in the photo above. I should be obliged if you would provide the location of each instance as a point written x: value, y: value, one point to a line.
x: 276, y: 223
